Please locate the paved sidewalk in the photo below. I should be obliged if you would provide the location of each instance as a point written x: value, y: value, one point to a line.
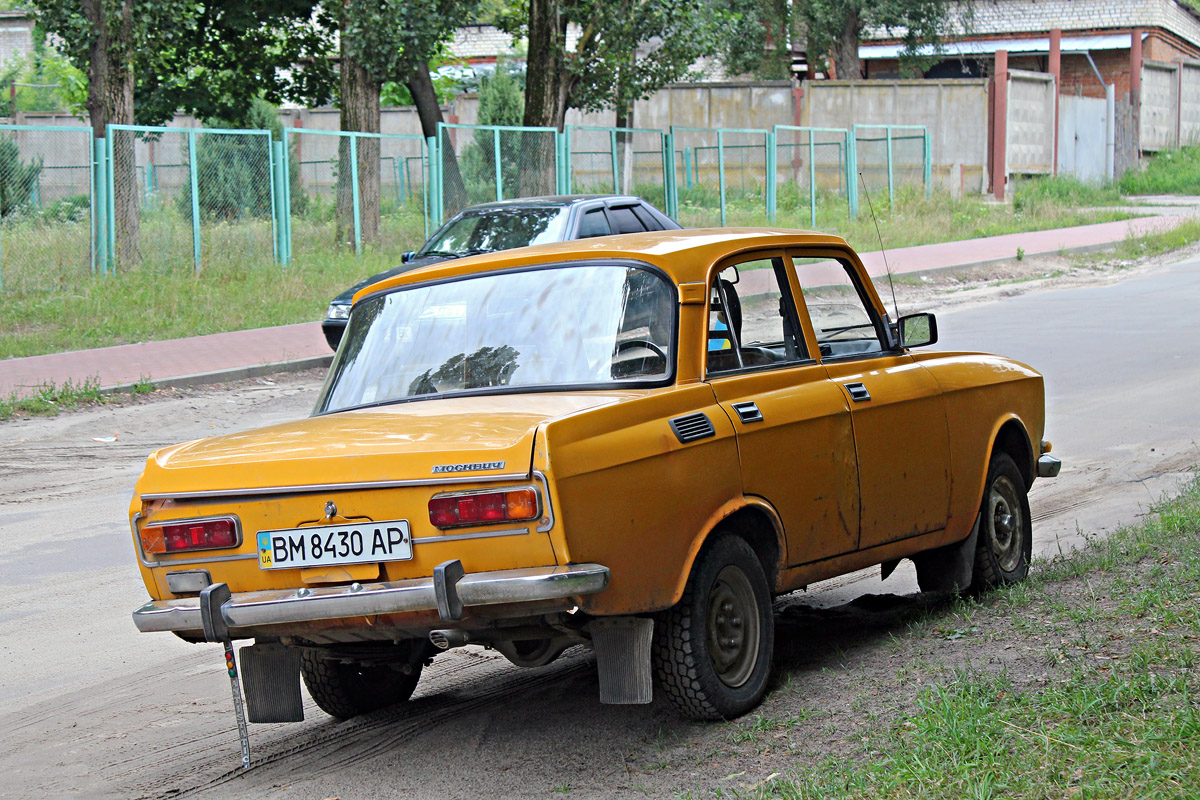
x: 243, y: 354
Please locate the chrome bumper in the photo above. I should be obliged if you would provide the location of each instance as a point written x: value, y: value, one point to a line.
x: 1048, y: 466
x: 253, y: 609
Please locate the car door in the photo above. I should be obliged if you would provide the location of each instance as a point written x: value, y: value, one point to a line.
x: 897, y: 408
x: 793, y: 425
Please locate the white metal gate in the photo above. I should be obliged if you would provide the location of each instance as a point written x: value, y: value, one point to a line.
x: 1082, y: 127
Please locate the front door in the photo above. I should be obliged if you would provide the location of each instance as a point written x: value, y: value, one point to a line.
x: 898, y: 411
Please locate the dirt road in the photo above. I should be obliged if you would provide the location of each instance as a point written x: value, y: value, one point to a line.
x: 91, y: 708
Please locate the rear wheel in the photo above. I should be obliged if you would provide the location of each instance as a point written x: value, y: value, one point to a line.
x: 346, y: 689
x: 1005, y: 527
x: 712, y: 650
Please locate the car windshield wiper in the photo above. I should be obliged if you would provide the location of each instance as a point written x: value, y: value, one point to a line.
x: 475, y: 252
x: 442, y: 253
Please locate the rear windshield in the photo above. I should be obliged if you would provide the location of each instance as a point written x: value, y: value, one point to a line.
x: 571, y: 326
x: 490, y: 229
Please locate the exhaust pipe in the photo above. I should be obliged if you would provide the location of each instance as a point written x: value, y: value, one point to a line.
x: 449, y: 638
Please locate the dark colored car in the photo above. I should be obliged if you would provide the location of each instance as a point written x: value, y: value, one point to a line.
x: 506, y: 224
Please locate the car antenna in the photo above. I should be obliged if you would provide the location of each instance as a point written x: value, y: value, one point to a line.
x: 882, y: 249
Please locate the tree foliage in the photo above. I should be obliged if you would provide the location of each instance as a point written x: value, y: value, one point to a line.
x: 17, y: 177
x: 837, y: 26
x: 626, y: 50
x: 758, y: 36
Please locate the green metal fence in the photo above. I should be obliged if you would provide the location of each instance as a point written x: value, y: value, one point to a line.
x: 47, y: 206
x: 889, y: 156
x: 165, y: 198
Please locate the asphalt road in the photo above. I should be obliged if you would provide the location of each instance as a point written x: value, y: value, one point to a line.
x: 90, y: 708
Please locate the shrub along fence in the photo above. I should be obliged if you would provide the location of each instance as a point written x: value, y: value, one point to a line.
x: 177, y: 198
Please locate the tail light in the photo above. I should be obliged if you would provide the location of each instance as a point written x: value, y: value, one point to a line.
x: 483, y: 508
x: 196, y: 534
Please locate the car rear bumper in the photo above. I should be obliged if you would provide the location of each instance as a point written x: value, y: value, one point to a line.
x: 250, y: 610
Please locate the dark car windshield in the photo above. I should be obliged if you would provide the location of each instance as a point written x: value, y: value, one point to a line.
x: 565, y: 326
x: 487, y: 229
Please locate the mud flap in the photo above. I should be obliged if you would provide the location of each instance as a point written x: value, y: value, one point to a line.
x: 271, y: 680
x: 622, y: 646
x: 949, y: 568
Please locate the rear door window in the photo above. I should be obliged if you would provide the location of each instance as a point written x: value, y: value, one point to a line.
x: 624, y: 221
x: 646, y: 218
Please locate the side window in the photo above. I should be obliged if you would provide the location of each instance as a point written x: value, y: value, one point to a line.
x: 646, y: 218
x: 624, y: 220
x: 840, y: 316
x: 751, y: 320
x: 594, y: 223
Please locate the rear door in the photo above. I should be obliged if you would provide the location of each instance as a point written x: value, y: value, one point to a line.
x: 793, y: 425
x: 899, y: 414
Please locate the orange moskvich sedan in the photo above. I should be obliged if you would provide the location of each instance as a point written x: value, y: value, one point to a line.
x: 633, y: 441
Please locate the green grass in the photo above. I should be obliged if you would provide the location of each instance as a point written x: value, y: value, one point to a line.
x: 1115, y: 713
x: 1153, y: 244
x: 48, y: 399
x: 1169, y: 172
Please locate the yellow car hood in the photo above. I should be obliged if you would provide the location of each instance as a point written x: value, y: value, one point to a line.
x: 405, y: 441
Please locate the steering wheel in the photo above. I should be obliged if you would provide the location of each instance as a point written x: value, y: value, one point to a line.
x: 643, y: 343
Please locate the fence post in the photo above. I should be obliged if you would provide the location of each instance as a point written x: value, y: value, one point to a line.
x: 721, y: 171
x: 100, y: 205
x: 891, y: 182
x: 927, y: 157
x: 812, y: 182
x: 561, y: 163
x: 354, y: 192
x: 278, y: 193
x: 497, y: 169
x: 670, y: 189
x: 771, y: 167
x: 110, y: 209
x: 612, y: 155
x: 195, y: 183
x: 852, y: 171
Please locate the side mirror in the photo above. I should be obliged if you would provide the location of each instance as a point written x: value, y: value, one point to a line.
x: 407, y: 256
x: 918, y: 330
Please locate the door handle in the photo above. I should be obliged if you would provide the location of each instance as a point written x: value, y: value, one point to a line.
x: 858, y: 392
x: 748, y: 412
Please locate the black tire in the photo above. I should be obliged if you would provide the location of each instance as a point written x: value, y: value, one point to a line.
x: 713, y: 666
x: 344, y: 690
x: 1005, y: 543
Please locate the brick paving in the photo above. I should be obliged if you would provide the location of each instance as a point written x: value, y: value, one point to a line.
x: 229, y: 356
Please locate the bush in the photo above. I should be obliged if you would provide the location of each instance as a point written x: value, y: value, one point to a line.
x: 17, y: 177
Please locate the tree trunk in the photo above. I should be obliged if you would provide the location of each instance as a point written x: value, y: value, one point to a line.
x: 845, y: 48
x: 624, y: 119
x: 359, y: 112
x: 110, y: 101
x: 429, y: 111
x: 546, y: 88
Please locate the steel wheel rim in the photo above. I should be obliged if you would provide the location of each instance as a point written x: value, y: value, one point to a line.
x: 733, y: 627
x: 1007, y: 523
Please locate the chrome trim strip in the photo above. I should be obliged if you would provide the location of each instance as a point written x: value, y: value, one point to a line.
x: 548, y: 504
x: 455, y: 537
x: 185, y: 561
x: 330, y: 487
x: 250, y: 609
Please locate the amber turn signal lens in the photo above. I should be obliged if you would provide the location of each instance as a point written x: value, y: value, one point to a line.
x: 482, y: 508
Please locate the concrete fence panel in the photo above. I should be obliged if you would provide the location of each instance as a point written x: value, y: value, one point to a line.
x: 1030, y: 128
x: 1159, y: 124
x: 954, y: 111
x: 1189, y: 102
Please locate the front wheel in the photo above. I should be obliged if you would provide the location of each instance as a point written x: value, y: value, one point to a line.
x: 712, y: 650
x: 1005, y: 527
x: 347, y: 689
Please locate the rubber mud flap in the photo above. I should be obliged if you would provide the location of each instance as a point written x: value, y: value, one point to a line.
x: 271, y: 681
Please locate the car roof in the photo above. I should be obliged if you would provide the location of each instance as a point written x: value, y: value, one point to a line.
x: 553, y: 201
x: 684, y: 255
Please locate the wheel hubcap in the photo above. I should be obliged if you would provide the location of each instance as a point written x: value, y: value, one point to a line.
x: 1007, y: 524
x: 733, y: 627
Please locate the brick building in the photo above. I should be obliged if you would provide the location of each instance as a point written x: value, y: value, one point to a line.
x: 1095, y: 39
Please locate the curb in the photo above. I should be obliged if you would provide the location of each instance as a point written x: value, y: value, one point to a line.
x: 226, y: 375
x: 1079, y: 249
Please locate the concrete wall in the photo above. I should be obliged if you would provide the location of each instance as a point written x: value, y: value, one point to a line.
x: 1189, y: 103
x: 1159, y: 124
x: 1030, y: 125
x: 954, y: 111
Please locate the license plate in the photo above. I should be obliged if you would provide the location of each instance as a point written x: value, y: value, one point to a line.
x: 352, y: 543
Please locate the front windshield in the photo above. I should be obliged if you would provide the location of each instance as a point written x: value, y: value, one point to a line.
x: 564, y: 326
x: 486, y: 230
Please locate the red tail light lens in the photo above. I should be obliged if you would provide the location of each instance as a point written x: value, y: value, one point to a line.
x: 482, y: 508
x: 179, y: 537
